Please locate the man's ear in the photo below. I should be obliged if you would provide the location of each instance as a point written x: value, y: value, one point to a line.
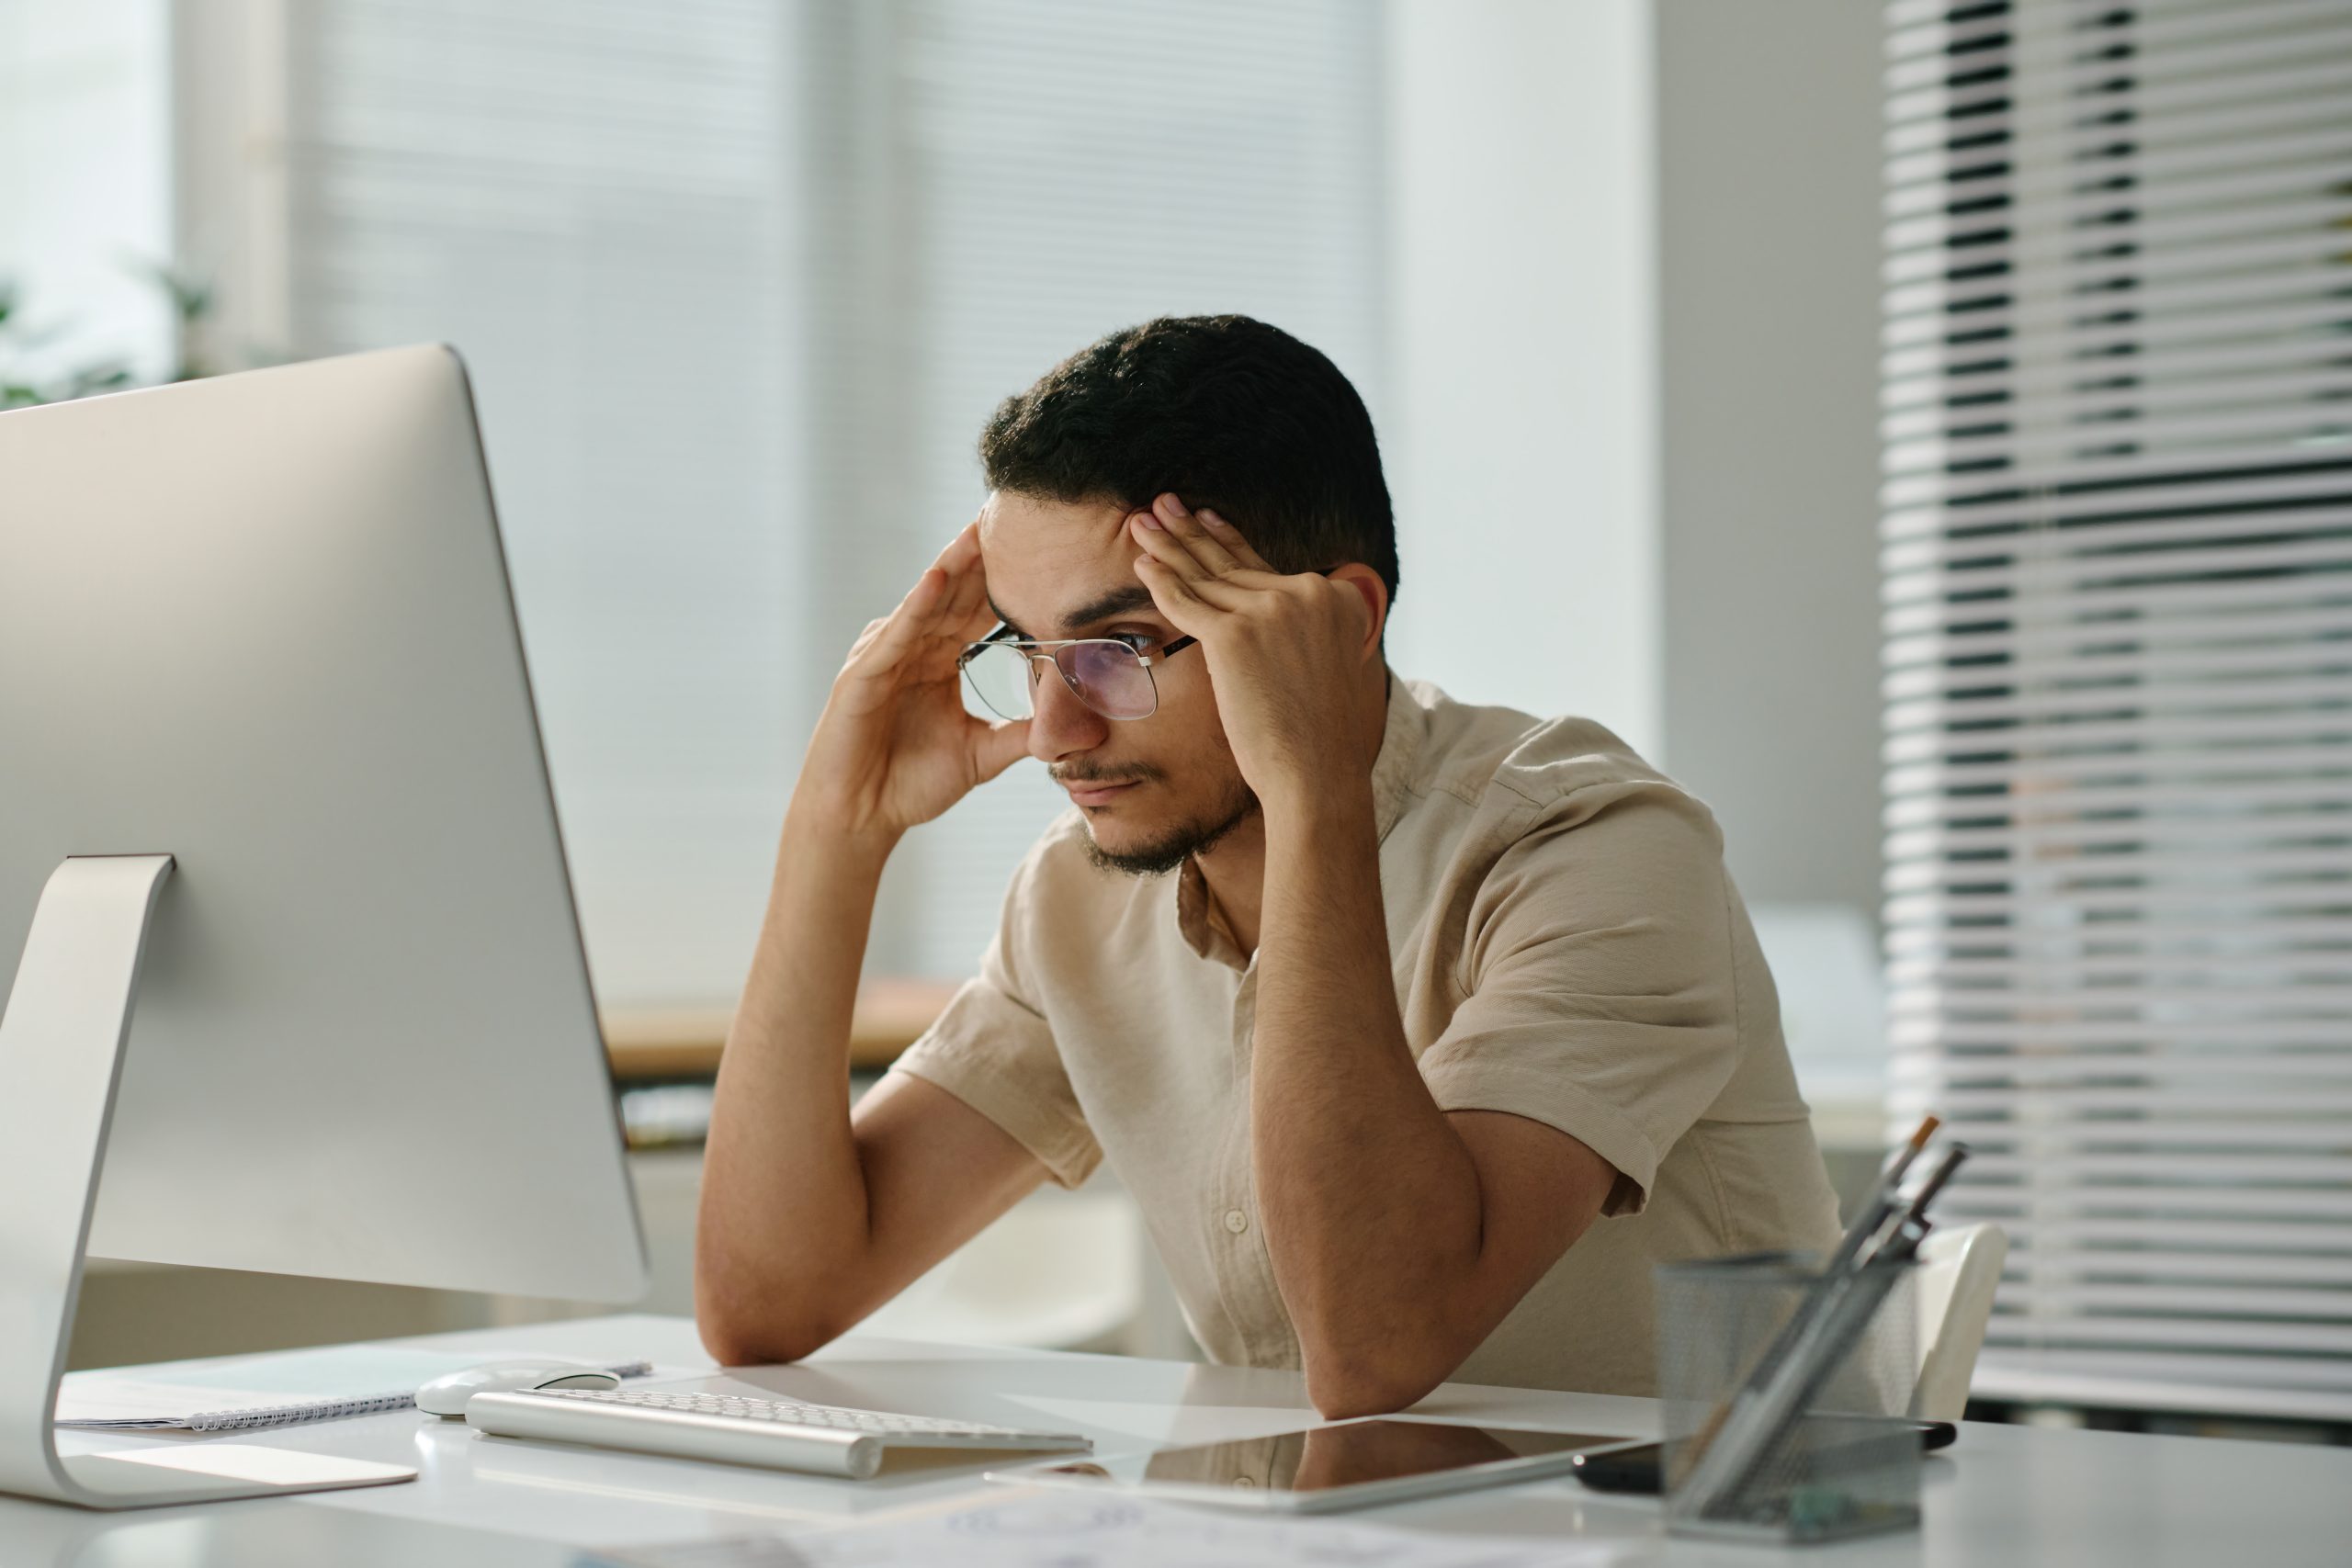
x: 1367, y: 583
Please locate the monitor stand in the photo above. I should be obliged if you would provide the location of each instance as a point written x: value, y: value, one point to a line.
x: 62, y: 1038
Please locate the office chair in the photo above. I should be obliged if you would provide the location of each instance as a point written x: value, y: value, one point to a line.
x: 1959, y: 1270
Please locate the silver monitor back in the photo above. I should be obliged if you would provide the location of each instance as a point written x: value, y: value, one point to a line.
x: 262, y: 623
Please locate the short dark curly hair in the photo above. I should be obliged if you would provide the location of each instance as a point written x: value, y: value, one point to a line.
x: 1227, y: 412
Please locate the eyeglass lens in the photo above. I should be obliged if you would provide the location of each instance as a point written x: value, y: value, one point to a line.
x: 1105, y: 676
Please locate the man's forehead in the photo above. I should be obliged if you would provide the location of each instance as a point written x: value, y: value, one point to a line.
x: 1058, y: 566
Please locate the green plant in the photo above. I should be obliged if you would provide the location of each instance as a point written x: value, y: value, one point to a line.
x: 191, y: 302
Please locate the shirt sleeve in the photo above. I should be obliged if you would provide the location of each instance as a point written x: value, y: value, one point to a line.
x: 993, y: 1049
x: 1602, y: 995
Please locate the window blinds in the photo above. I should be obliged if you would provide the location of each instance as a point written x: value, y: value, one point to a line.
x: 595, y: 204
x: 2117, y: 546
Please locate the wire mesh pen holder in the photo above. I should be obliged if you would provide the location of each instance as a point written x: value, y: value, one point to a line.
x: 1786, y: 1400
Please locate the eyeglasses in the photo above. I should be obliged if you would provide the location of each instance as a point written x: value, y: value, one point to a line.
x: 1110, y: 675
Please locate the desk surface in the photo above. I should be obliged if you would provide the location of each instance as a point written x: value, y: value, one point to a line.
x: 2003, y: 1494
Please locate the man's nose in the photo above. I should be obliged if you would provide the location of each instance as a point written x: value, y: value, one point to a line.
x: 1060, y: 725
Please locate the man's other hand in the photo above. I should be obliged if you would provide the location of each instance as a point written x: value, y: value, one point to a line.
x: 895, y: 746
x: 1287, y: 652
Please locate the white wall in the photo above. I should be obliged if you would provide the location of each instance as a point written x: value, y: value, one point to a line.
x: 1767, y: 128
x: 1521, y: 425
x: 1632, y: 403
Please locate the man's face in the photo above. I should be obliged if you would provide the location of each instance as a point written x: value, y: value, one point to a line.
x: 1153, y: 790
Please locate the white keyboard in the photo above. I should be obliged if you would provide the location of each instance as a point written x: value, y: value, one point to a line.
x: 780, y: 1434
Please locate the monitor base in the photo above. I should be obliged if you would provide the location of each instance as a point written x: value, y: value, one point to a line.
x: 62, y: 1038
x: 213, y: 1472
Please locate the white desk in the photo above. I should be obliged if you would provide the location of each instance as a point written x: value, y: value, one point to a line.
x: 2003, y: 1495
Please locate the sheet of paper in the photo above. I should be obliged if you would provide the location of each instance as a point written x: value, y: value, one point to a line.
x: 1056, y: 1531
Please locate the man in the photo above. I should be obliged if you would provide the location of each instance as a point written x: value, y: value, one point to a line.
x: 1446, y: 1029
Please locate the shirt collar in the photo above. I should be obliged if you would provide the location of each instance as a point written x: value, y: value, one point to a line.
x: 1197, y: 918
x: 1400, y: 755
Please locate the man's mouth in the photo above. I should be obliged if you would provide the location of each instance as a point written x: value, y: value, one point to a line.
x: 1089, y: 792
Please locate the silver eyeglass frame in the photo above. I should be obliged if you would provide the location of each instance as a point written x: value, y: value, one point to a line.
x: 1048, y: 651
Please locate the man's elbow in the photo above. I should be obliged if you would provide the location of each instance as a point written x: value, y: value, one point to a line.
x: 734, y: 1341
x: 740, y: 1329
x: 1342, y: 1386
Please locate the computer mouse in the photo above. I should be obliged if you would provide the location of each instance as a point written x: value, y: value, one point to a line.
x: 446, y: 1395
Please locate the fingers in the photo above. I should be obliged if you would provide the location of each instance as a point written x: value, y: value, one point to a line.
x: 924, y: 600
x: 963, y: 550
x: 1186, y: 593
x: 1183, y: 560
x: 1173, y: 596
x: 1172, y: 520
x: 1213, y: 541
x: 1201, y: 538
x: 891, y: 638
x: 1006, y: 742
x: 976, y: 624
x: 1235, y: 545
x: 967, y: 600
x: 967, y: 576
x: 951, y: 596
x: 945, y: 605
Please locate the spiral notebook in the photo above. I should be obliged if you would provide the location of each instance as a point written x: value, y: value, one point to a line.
x: 278, y: 1390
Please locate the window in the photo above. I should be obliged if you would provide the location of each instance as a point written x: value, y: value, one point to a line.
x: 85, y: 200
x: 2119, y: 719
x: 738, y: 283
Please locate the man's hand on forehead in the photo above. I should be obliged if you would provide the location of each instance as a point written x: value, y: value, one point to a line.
x: 894, y: 746
x: 1287, y: 652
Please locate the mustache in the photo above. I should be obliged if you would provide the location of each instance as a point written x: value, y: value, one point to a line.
x: 1081, y: 773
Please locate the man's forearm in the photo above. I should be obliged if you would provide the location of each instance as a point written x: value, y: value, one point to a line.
x: 1371, y: 1201
x: 784, y: 1199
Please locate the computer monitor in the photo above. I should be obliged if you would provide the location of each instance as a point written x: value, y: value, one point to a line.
x: 261, y: 625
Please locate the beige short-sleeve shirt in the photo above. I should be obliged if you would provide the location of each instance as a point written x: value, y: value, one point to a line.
x: 1566, y: 945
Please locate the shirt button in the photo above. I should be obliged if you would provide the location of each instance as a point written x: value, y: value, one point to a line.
x: 1245, y: 1481
x: 1235, y: 1221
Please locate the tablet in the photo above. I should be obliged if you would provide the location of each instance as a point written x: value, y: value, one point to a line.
x: 1350, y: 1464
